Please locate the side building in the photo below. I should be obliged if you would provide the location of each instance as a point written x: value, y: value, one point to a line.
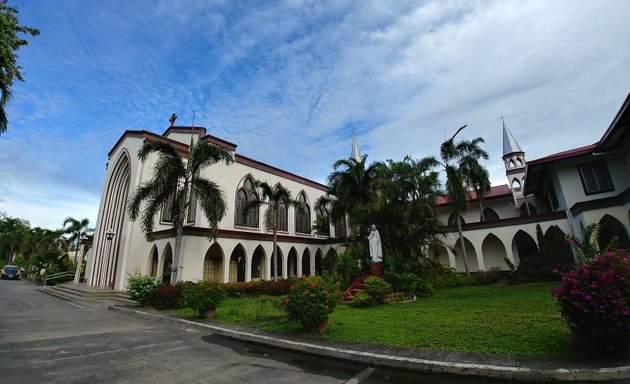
x: 244, y: 246
x: 563, y: 193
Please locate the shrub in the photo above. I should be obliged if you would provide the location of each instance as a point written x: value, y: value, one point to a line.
x: 493, y: 276
x: 377, y: 288
x: 595, y: 300
x: 202, y: 295
x: 142, y: 288
x: 362, y: 300
x: 257, y: 288
x: 311, y: 300
x: 168, y: 296
x: 423, y: 288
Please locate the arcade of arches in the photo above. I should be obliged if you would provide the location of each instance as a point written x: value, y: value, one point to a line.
x: 214, y: 263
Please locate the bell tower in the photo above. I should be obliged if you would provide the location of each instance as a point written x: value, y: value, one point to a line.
x: 515, y: 166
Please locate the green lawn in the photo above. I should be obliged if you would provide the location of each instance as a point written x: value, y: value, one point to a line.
x: 506, y: 319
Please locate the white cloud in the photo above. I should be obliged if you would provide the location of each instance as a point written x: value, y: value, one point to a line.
x: 287, y: 82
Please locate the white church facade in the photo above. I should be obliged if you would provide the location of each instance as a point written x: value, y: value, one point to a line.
x: 563, y: 193
x: 244, y: 246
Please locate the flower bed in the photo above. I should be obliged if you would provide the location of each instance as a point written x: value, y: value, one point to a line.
x: 595, y: 300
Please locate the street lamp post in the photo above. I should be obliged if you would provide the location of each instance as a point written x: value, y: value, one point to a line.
x: 109, y: 236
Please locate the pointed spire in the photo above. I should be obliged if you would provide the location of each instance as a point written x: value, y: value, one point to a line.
x: 509, y: 143
x: 356, y: 155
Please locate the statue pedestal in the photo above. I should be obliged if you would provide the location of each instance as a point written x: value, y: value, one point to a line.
x: 377, y: 269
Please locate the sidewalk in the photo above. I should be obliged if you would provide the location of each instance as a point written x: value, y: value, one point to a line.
x: 454, y: 363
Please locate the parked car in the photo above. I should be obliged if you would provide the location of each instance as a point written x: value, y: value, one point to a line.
x: 11, y: 272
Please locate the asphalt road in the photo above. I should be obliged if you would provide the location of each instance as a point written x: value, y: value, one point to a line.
x: 44, y: 339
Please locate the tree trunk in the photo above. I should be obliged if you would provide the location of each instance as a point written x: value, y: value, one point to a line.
x: 462, y: 244
x: 481, y: 209
x: 275, y: 254
x: 179, y: 232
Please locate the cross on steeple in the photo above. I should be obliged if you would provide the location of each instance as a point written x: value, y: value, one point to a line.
x: 502, y: 118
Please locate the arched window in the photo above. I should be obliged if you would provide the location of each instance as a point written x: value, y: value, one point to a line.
x: 323, y: 220
x: 511, y: 164
x: 243, y: 196
x: 516, y: 185
x: 452, y: 219
x: 283, y: 215
x: 302, y: 215
x: 490, y: 215
x: 527, y: 209
x: 519, y: 162
x: 340, y: 227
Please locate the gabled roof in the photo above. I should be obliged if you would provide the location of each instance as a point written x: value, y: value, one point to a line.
x: 539, y: 169
x: 495, y: 193
x: 619, y: 130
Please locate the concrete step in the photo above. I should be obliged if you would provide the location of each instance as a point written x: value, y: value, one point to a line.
x: 72, y: 292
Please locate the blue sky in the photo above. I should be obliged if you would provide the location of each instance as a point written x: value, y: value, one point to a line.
x: 290, y: 81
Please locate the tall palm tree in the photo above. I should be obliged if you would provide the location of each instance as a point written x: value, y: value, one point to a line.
x: 461, y: 164
x: 275, y: 198
x: 176, y: 185
x: 76, y: 229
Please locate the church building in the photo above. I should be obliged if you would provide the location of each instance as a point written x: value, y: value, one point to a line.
x: 563, y: 193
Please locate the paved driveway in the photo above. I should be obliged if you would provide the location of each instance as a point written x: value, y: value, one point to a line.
x: 47, y: 340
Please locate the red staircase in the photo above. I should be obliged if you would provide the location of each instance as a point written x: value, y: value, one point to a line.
x: 356, y: 286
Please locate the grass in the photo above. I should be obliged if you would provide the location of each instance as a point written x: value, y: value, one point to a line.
x: 504, y: 319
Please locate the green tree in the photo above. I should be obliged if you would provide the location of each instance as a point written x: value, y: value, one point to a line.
x: 10, y: 43
x: 460, y: 161
x: 13, y: 233
x: 76, y: 231
x: 405, y: 209
x: 276, y: 199
x: 353, y: 186
x: 176, y: 186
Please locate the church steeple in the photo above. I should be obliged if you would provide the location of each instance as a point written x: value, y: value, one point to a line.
x: 510, y: 146
x: 356, y: 155
x: 515, y: 165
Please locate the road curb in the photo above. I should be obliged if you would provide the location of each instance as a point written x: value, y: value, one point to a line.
x: 408, y: 363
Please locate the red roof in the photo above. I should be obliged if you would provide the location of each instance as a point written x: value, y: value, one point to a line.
x: 587, y: 149
x: 495, y: 192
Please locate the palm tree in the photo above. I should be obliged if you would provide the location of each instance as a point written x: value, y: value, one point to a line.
x: 352, y: 184
x: 76, y: 229
x: 276, y: 199
x: 176, y: 185
x: 463, y: 171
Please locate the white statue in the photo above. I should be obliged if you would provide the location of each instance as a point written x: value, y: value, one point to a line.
x: 376, y: 249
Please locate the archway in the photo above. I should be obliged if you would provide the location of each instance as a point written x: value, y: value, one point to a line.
x: 167, y: 264
x: 278, y: 261
x: 524, y: 247
x: 153, y: 262
x: 318, y: 262
x: 437, y: 251
x: 106, y: 249
x: 611, y: 229
x: 493, y: 253
x: 329, y: 263
x: 292, y: 263
x: 557, y: 250
x: 213, y: 263
x: 258, y: 264
x: 237, y: 264
x: 306, y: 263
x: 473, y: 265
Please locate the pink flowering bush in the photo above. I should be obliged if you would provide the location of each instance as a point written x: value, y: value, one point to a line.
x: 310, y: 300
x: 595, y: 300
